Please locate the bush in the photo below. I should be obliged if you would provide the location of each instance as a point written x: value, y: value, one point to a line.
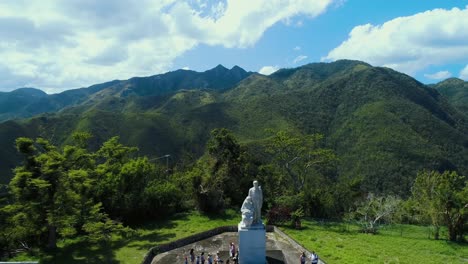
x: 279, y: 216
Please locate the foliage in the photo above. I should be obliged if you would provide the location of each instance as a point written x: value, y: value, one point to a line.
x: 131, y: 249
x: 444, y: 198
x: 300, y: 157
x: 306, y: 172
x: 221, y: 178
x: 52, y: 193
x: 374, y: 209
x: 382, y: 125
x: 74, y: 192
x: 278, y: 216
x: 296, y: 217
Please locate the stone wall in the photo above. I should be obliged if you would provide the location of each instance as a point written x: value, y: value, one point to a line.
x: 294, y: 243
x: 191, y: 239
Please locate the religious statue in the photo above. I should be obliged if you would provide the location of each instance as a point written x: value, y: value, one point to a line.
x: 257, y: 199
x: 247, y: 211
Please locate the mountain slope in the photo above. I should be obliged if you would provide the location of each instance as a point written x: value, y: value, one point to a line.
x: 385, y: 126
x: 456, y: 91
x: 27, y: 102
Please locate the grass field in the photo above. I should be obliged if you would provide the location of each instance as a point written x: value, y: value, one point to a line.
x: 334, y: 242
x: 341, y: 243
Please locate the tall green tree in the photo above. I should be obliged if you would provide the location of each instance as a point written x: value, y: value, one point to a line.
x: 307, y: 167
x: 52, y: 192
x: 223, y: 176
x: 300, y: 157
x: 444, y: 198
x: 132, y: 188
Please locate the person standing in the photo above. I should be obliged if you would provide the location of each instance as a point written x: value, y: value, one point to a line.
x: 302, y: 258
x: 218, y: 259
x: 314, y: 257
x: 232, y: 250
x: 192, y: 256
x: 202, y: 258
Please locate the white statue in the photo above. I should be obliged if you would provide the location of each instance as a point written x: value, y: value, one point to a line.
x: 257, y: 199
x: 247, y: 211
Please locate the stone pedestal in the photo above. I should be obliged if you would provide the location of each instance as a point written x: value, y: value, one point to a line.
x: 252, y: 244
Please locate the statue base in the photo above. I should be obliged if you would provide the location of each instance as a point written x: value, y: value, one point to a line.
x: 252, y: 244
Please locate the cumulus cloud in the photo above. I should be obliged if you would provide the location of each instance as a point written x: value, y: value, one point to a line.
x: 267, y: 70
x: 464, y: 73
x: 438, y: 75
x: 409, y: 44
x: 299, y: 59
x: 56, y: 44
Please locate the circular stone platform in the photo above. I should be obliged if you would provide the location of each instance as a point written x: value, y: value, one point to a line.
x: 279, y: 250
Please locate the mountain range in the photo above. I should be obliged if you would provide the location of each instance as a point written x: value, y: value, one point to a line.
x: 384, y: 125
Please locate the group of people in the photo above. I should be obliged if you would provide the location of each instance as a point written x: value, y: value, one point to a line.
x: 192, y: 258
x: 314, y: 259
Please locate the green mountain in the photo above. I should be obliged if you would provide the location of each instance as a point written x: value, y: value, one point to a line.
x: 456, y: 91
x: 385, y: 126
x: 27, y: 102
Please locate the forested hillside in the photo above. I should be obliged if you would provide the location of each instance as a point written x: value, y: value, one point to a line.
x: 456, y: 91
x: 384, y: 126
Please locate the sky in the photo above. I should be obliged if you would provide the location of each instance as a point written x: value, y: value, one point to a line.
x: 55, y: 45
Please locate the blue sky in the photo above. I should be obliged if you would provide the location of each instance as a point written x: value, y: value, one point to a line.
x: 56, y: 45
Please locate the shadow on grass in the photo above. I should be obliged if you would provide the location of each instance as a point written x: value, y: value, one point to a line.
x: 146, y: 236
x: 81, y: 252
x: 168, y: 222
x: 84, y: 252
x: 226, y: 216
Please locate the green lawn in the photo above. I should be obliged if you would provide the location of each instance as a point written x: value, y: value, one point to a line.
x: 334, y: 242
x: 341, y: 243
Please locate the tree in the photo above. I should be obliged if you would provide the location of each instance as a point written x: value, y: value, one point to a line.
x: 222, y: 177
x: 300, y: 157
x: 373, y: 210
x: 444, y: 198
x: 307, y: 167
x: 53, y: 192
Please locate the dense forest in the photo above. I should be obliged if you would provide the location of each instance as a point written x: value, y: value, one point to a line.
x: 343, y: 140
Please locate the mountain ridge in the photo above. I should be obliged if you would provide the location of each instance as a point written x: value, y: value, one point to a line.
x: 26, y: 102
x: 384, y: 125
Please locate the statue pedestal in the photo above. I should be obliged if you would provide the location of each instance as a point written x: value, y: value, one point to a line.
x: 252, y: 244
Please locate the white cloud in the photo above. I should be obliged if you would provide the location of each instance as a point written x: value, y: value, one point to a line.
x: 464, y: 73
x: 439, y: 75
x: 297, y: 48
x: 267, y: 70
x: 54, y: 44
x: 299, y: 59
x: 409, y: 44
x: 186, y: 68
